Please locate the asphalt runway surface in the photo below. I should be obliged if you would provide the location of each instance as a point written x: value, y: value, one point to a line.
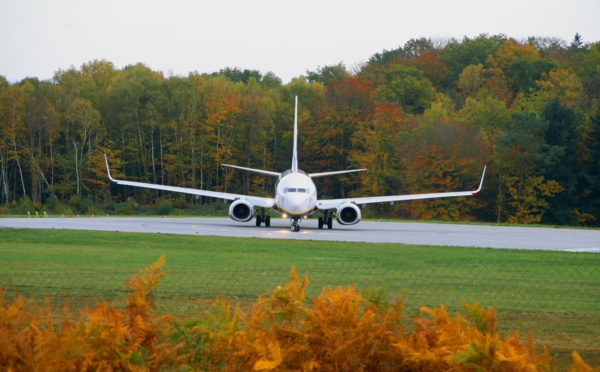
x: 558, y: 239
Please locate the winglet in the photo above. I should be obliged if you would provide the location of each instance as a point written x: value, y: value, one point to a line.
x: 295, y: 153
x: 107, y: 169
x: 480, y: 183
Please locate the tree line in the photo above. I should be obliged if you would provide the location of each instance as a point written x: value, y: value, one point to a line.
x: 425, y: 117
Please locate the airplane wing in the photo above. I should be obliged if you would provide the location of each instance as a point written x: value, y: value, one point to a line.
x: 335, y: 203
x: 254, y: 200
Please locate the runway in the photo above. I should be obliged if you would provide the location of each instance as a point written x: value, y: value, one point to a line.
x: 558, y: 239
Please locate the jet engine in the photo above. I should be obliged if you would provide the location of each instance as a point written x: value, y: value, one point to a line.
x: 348, y: 214
x: 241, y: 211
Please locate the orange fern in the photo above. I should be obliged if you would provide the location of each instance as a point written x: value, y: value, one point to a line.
x: 340, y: 330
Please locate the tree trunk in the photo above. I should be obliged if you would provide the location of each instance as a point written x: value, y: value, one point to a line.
x: 76, y: 165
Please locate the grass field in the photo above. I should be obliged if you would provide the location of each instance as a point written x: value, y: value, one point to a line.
x: 553, y: 295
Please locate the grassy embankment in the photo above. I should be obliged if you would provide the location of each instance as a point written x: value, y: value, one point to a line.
x: 553, y: 295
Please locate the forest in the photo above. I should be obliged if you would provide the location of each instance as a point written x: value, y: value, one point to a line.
x: 425, y: 117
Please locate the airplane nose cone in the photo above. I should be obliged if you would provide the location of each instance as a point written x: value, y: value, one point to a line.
x: 297, y: 203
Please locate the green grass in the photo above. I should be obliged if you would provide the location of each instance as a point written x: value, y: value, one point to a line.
x: 554, y: 295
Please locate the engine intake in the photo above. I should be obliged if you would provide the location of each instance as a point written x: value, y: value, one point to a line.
x: 348, y: 214
x: 241, y: 211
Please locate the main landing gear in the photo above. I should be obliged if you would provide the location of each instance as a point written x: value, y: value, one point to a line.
x: 326, y: 220
x: 263, y: 218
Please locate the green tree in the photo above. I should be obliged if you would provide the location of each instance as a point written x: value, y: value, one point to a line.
x: 520, y: 154
x: 406, y: 87
x: 256, y: 129
x: 471, y: 80
x: 136, y: 95
x: 238, y: 75
x: 415, y: 48
x: 83, y: 133
x: 385, y: 58
x: 12, y: 129
x: 518, y: 66
x: 457, y: 55
x: 589, y: 206
x: 440, y: 110
x: 327, y: 74
x: 488, y: 114
x: 42, y: 123
x: 564, y: 167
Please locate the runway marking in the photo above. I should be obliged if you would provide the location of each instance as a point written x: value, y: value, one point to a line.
x: 589, y: 250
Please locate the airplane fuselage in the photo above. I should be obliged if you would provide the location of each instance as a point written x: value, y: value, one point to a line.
x: 295, y: 194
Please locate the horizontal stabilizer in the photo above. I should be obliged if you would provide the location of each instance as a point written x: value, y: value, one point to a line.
x: 268, y: 173
x: 313, y: 175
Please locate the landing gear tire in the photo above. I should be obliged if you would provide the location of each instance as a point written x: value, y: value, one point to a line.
x: 321, y: 222
x: 329, y: 223
x: 259, y: 220
x: 295, y: 227
x: 268, y: 221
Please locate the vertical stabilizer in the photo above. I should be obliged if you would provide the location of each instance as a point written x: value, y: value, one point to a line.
x: 295, y: 154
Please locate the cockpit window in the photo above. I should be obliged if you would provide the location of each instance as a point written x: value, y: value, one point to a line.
x: 293, y: 189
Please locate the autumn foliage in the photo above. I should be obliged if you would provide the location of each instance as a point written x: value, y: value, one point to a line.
x: 100, y: 338
x: 425, y: 117
x: 340, y: 330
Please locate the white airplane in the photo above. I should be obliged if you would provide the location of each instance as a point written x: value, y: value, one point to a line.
x: 295, y: 195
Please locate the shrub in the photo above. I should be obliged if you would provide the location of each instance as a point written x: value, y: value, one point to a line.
x: 93, y: 210
x: 165, y: 208
x: 63, y: 209
x: 124, y: 209
x: 340, y: 330
x: 100, y: 338
x: 180, y: 203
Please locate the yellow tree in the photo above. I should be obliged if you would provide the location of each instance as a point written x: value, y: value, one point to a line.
x: 471, y: 80
x: 561, y: 84
x: 256, y: 128
x: 376, y: 147
x: 529, y: 202
x: 488, y: 114
x: 511, y: 51
x: 517, y: 66
x: 440, y: 110
x: 519, y: 154
x: 222, y: 105
x: 96, y: 176
x: 184, y: 151
x: 443, y: 157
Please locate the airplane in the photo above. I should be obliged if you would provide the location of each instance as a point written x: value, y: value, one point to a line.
x: 295, y: 195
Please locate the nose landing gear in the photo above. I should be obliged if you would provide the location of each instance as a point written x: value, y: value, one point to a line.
x: 295, y: 227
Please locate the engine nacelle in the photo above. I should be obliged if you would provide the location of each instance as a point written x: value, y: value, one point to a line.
x: 241, y: 211
x: 348, y: 214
